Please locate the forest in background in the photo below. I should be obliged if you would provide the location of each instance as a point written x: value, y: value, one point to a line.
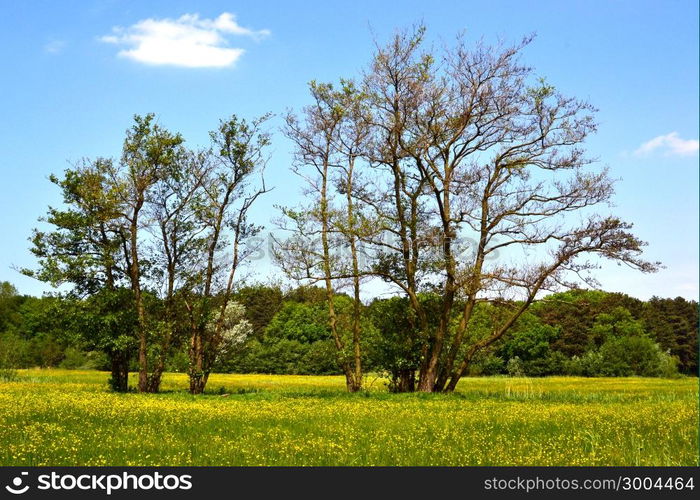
x: 578, y: 332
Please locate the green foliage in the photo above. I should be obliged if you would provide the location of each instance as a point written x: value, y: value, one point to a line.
x: 633, y: 355
x: 588, y: 365
x: 486, y: 365
x: 82, y: 247
x: 320, y: 358
x: 614, y: 325
x: 178, y: 361
x: 106, y: 321
x: 668, y: 366
x: 75, y: 359
x: 86, y: 333
x: 530, y: 340
x: 395, y: 345
x: 261, y: 304
x: 673, y: 323
x: 515, y: 367
x: 287, y: 356
x: 11, y: 352
x: 10, y: 302
x: 295, y: 341
x: 574, y: 312
x: 307, y: 295
x: 299, y: 321
x: 624, y: 357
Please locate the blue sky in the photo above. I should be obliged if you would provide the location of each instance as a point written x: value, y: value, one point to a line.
x: 77, y: 71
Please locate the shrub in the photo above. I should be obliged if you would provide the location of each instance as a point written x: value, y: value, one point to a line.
x: 74, y: 359
x: 588, y: 365
x: 285, y: 357
x: 515, y: 367
x: 320, y: 359
x: 487, y: 366
x: 179, y: 361
x: 637, y: 355
x: 624, y: 357
x: 668, y: 365
x: 13, y: 351
x: 551, y: 364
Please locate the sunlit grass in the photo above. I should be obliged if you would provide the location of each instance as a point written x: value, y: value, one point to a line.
x: 61, y: 417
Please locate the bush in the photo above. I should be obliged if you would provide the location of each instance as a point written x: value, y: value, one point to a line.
x: 394, y: 345
x: 320, y: 359
x: 285, y: 357
x: 97, y: 360
x: 178, y: 362
x: 515, y: 367
x: 487, y: 366
x: 624, y: 357
x: 300, y: 322
x: 668, y: 365
x: 588, y: 365
x: 551, y: 364
x: 44, y: 351
x: 74, y: 359
x: 631, y: 356
x: 260, y: 357
x: 13, y: 351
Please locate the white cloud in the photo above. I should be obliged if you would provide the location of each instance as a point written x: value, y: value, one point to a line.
x: 188, y: 41
x: 670, y: 144
x: 55, y: 46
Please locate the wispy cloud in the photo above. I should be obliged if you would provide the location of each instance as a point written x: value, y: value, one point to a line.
x: 188, y: 41
x: 55, y: 46
x: 670, y: 145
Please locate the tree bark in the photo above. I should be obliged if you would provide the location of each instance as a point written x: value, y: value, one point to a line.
x: 119, y: 381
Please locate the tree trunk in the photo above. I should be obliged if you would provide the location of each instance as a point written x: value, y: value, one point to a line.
x: 119, y: 382
x: 135, y: 277
x: 198, y: 382
x: 428, y: 377
x: 143, y: 360
x: 356, y: 383
x: 196, y: 368
x: 156, y: 376
x: 403, y: 381
x: 350, y: 383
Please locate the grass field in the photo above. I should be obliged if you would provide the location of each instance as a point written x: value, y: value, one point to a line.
x: 59, y: 417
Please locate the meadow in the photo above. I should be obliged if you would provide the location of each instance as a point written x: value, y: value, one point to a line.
x: 59, y: 417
